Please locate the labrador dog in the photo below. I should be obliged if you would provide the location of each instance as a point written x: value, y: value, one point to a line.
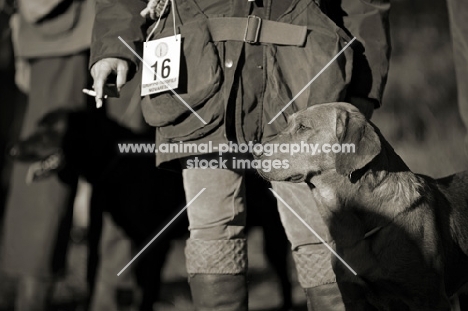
x: 140, y: 198
x: 404, y: 234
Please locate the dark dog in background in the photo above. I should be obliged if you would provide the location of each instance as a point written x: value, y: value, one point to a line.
x: 405, y: 234
x: 140, y: 198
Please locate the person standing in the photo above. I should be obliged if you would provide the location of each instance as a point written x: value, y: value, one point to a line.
x: 52, y: 38
x: 243, y: 61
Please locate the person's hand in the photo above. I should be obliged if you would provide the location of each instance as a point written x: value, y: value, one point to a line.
x: 155, y: 9
x: 365, y: 105
x: 102, y: 69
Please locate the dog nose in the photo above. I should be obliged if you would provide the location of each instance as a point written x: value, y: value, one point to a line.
x: 257, y: 150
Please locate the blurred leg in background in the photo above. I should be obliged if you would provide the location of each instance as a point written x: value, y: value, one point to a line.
x: 12, y: 105
x: 112, y: 292
x: 458, y: 12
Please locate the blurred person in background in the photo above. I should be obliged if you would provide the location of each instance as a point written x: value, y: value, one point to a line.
x: 51, y: 39
x: 458, y: 12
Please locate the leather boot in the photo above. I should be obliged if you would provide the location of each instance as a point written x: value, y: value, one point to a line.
x: 217, y: 272
x: 328, y: 297
x: 219, y: 292
x: 324, y: 298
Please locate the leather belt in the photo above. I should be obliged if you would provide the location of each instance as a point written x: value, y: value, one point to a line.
x: 254, y: 30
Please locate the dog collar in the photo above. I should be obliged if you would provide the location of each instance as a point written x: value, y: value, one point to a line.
x: 372, y: 232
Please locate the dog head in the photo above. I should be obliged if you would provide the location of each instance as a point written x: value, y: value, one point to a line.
x: 43, y: 149
x: 333, y: 127
x: 45, y: 141
x: 78, y: 142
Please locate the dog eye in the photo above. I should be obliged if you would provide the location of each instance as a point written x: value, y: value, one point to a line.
x: 301, y: 127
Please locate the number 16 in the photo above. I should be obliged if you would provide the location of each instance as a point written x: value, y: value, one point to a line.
x: 165, y: 69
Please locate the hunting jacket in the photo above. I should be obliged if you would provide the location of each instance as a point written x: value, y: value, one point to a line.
x: 239, y: 74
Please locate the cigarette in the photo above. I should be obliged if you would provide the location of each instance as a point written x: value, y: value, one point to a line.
x: 91, y: 93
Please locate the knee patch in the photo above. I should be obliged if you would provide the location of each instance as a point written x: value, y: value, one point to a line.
x: 313, y: 265
x: 216, y: 257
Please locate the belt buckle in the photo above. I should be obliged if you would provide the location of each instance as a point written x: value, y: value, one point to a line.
x: 258, y: 22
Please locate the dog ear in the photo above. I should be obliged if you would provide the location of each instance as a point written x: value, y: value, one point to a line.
x: 353, y: 128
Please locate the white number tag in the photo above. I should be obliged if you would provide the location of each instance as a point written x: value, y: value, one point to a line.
x: 163, y: 56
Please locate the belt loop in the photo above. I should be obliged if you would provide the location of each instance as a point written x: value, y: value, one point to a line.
x: 256, y: 23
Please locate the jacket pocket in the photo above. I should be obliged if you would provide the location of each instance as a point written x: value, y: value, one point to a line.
x: 192, y: 127
x: 199, y: 80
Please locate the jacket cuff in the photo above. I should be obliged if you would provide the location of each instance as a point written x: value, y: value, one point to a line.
x: 101, y: 50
